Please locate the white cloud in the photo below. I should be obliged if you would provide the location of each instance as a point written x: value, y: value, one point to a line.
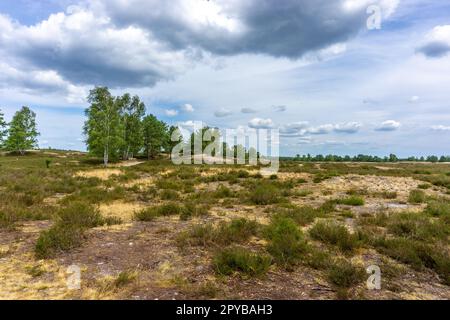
x: 223, y: 112
x: 248, y: 110
x: 187, y: 108
x: 171, y: 112
x: 389, y: 125
x: 280, y: 108
x: 440, y: 128
x: 294, y: 129
x: 414, y: 99
x: 322, y: 129
x: 258, y: 123
x: 437, y: 42
x: 349, y: 127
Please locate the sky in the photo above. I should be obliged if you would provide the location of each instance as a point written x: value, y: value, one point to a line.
x: 340, y: 77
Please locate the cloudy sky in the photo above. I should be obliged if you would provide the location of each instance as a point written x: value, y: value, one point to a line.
x: 330, y: 75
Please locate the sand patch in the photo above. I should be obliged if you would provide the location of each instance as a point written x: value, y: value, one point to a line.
x: 373, y: 184
x: 102, y: 174
x: 294, y: 175
x: 142, y: 183
x: 129, y: 163
x: 247, y: 212
x: 120, y: 209
x: 17, y: 282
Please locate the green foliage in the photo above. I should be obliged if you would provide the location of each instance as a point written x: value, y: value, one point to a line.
x: 58, y: 238
x: 236, y: 259
x: 416, y: 226
x: 264, y: 194
x: 68, y: 230
x: 286, y: 242
x: 334, y: 234
x: 343, y: 274
x: 235, y: 231
x: 22, y: 131
x: 416, y: 196
x: 151, y: 213
x: 104, y: 127
x: 416, y: 254
x: 3, y: 129
x: 301, y: 215
x: 133, y: 111
x: 439, y: 208
x: 351, y: 201
x: 155, y: 135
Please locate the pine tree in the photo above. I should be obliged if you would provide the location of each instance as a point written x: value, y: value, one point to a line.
x: 22, y: 131
x: 104, y: 127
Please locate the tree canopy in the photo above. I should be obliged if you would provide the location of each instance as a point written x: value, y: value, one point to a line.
x: 22, y: 134
x: 3, y: 129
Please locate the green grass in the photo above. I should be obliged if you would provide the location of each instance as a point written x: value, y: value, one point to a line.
x: 240, y: 260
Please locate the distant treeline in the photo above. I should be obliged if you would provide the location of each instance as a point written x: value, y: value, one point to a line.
x: 364, y: 158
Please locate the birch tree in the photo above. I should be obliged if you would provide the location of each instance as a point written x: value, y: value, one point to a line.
x: 104, y: 127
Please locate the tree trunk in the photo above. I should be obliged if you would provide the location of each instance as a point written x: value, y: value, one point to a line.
x: 105, y: 156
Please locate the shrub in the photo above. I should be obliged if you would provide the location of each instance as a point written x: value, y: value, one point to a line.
x: 235, y: 231
x: 58, y: 238
x: 334, y: 234
x: 124, y: 278
x: 424, y: 186
x: 343, y: 274
x: 416, y: 254
x: 301, y: 215
x: 80, y: 214
x: 351, y: 201
x: 168, y: 194
x: 223, y: 192
x: 151, y: 213
x: 237, y: 259
x: 286, y: 242
x: 68, y: 230
x: 416, y: 196
x: 416, y: 226
x: 387, y: 194
x: 265, y: 194
x: 438, y: 208
x: 192, y: 209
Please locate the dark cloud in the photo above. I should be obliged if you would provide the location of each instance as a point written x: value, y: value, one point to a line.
x: 288, y: 28
x: 138, y: 43
x: 435, y: 49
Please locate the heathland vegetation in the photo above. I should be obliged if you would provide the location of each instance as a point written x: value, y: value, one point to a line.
x: 145, y: 228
